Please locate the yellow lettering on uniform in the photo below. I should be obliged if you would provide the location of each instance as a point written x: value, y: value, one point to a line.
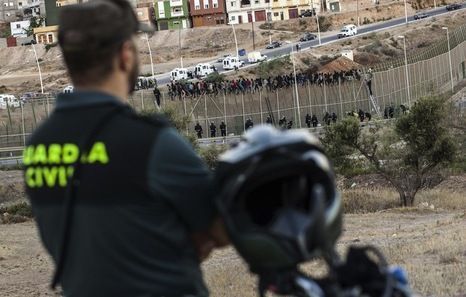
x: 70, y: 171
x: 38, y: 177
x: 27, y: 155
x: 54, y: 153
x: 98, y: 153
x: 70, y: 153
x: 40, y: 155
x: 50, y: 176
x: 62, y: 178
x: 30, y: 177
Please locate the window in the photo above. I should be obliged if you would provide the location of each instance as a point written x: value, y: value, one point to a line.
x: 20, y: 3
x: 233, y: 17
x: 206, y: 5
x: 275, y: 14
x: 18, y: 26
x: 267, y: 1
x: 11, y: 4
x: 197, y: 7
x: 215, y: 5
x: 256, y: 1
x: 232, y: 4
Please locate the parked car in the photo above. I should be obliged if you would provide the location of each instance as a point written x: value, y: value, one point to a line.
x: 220, y: 59
x: 421, y: 15
x: 274, y: 44
x: 454, y: 6
x: 307, y: 37
x: 347, y: 31
x: 308, y: 13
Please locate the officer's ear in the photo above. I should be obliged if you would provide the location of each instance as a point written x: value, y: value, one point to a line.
x: 127, y: 56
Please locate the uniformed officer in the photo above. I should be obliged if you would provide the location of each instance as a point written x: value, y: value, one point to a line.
x: 334, y: 117
x: 198, y: 129
x: 314, y: 120
x: 122, y: 202
x: 268, y: 120
x: 249, y: 124
x: 223, y: 129
x: 308, y: 120
x: 213, y: 129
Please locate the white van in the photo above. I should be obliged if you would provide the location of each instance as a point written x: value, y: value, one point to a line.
x: 230, y: 63
x: 204, y: 69
x: 347, y: 31
x: 68, y: 89
x: 256, y: 57
x: 8, y: 101
x: 180, y: 74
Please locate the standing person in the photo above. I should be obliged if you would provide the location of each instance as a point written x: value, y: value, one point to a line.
x: 268, y: 121
x: 213, y: 129
x: 314, y: 120
x: 157, y: 95
x: 198, y: 129
x: 326, y: 118
x: 334, y: 117
x: 368, y: 79
x: 223, y: 129
x: 108, y: 187
x: 308, y: 120
x: 249, y: 124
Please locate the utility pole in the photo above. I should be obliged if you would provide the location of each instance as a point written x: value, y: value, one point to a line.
x: 253, y: 40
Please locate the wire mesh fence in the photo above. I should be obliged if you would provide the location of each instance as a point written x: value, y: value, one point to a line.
x: 392, y: 85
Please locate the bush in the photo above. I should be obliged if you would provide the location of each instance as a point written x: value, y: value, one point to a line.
x: 16, y: 213
x: 211, y: 153
x: 388, y: 52
x: 215, y: 77
x: 49, y: 46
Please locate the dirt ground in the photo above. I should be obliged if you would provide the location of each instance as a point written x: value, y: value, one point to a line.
x: 429, y: 240
x: 429, y: 244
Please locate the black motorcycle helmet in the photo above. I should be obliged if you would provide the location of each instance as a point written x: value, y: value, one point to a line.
x: 278, y: 199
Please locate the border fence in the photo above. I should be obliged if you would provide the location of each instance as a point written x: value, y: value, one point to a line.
x: 393, y: 84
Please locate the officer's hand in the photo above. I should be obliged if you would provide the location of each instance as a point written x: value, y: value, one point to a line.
x: 205, y: 242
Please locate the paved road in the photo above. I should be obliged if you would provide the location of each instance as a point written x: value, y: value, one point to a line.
x: 285, y: 49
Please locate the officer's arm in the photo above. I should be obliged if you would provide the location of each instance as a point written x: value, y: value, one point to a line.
x: 177, y: 175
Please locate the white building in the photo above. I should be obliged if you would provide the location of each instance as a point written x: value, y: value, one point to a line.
x: 18, y: 29
x: 247, y: 11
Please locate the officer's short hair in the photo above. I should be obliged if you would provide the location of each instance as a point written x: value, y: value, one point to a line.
x: 92, y: 33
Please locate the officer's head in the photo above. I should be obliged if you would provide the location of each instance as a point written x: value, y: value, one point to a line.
x: 96, y: 39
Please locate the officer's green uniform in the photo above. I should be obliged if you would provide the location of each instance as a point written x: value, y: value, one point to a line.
x: 142, y: 190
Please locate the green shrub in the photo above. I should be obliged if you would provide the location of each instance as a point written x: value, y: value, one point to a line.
x: 16, y: 213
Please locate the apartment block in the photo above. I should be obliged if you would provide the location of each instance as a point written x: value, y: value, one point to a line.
x: 208, y: 12
x: 172, y: 14
x: 247, y: 11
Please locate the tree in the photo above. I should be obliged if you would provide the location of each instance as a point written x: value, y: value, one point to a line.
x: 408, y: 153
x: 35, y: 22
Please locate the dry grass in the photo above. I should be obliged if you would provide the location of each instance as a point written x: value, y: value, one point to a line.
x: 366, y: 201
x: 428, y: 243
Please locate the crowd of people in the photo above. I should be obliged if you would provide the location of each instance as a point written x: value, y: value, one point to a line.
x: 180, y: 90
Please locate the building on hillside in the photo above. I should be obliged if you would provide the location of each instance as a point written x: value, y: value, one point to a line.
x: 144, y: 15
x: 333, y: 5
x: 19, y: 29
x: 46, y: 35
x: 208, y: 12
x: 9, y: 11
x: 291, y: 9
x: 172, y: 14
x: 247, y: 11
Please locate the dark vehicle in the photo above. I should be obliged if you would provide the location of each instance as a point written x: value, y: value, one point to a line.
x: 30, y: 42
x: 308, y: 13
x: 421, y: 15
x: 274, y: 44
x: 454, y: 6
x: 307, y: 37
